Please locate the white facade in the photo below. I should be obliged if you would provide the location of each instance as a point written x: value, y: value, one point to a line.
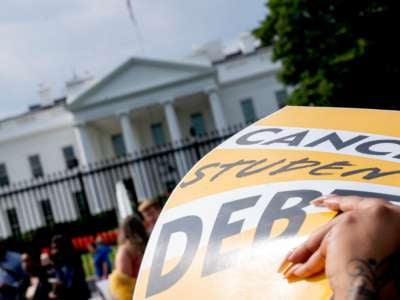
x: 44, y: 132
x: 128, y: 102
x: 145, y: 90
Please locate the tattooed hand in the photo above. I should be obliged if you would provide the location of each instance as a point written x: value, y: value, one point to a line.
x: 359, y: 249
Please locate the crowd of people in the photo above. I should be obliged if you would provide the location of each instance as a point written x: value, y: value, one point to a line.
x: 59, y: 274
x: 34, y: 276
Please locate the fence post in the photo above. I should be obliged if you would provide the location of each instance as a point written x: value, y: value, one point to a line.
x: 82, y: 184
x: 91, y: 192
x: 197, y: 148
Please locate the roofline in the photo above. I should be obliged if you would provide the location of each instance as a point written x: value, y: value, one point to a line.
x: 56, y: 103
x: 239, y: 54
x: 211, y: 72
x: 132, y: 60
x: 155, y: 61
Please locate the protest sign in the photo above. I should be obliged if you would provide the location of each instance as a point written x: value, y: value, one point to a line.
x: 239, y: 210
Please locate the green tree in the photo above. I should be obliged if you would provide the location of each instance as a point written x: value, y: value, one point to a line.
x: 336, y: 52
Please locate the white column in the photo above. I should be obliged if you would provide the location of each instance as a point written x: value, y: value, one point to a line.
x: 172, y: 120
x: 176, y: 136
x: 130, y: 138
x: 84, y: 145
x: 87, y: 157
x: 216, y: 108
x: 138, y: 172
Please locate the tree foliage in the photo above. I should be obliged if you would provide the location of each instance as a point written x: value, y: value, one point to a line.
x: 336, y: 52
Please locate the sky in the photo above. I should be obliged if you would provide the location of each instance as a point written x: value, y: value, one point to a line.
x: 47, y: 41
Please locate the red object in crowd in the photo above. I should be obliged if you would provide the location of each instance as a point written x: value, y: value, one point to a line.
x: 45, y: 250
x: 81, y: 243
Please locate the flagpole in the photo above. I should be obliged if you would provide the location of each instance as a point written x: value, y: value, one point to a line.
x: 136, y: 28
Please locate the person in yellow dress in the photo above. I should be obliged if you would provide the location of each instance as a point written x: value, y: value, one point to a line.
x: 132, y: 239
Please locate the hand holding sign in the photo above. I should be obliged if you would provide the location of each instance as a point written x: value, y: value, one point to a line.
x: 359, y: 250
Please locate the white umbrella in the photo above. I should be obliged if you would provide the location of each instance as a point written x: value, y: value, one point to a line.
x: 124, y: 207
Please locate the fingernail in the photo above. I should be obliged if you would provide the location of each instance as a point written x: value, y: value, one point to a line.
x: 283, y: 266
x: 320, y: 201
x: 290, y: 272
x: 285, y: 262
x: 317, y: 202
x: 331, y: 201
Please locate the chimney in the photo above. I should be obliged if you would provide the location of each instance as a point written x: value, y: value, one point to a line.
x: 45, y: 95
x: 77, y: 84
x: 247, y: 43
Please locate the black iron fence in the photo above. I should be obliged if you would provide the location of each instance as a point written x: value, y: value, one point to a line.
x: 86, y: 192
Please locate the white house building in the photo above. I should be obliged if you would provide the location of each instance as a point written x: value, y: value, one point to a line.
x: 141, y: 103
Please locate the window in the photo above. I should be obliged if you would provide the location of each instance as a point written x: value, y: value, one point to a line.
x: 158, y: 134
x: 36, y: 166
x: 281, y: 97
x: 69, y: 157
x: 47, y: 212
x: 118, y: 145
x: 81, y: 204
x: 248, y: 110
x: 4, y: 181
x: 13, y: 221
x: 197, y: 123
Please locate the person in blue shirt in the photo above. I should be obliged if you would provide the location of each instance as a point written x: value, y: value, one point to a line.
x: 11, y: 273
x: 101, y: 260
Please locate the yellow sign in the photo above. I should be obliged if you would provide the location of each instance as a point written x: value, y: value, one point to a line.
x: 234, y: 216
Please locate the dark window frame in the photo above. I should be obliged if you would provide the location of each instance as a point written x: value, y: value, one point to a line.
x: 158, y: 134
x: 13, y: 221
x: 248, y: 110
x: 47, y: 212
x: 4, y: 178
x: 36, y: 166
x: 81, y: 204
x: 201, y: 121
x: 71, y: 161
x: 118, y: 144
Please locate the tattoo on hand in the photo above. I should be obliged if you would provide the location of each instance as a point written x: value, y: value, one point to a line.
x: 372, y: 279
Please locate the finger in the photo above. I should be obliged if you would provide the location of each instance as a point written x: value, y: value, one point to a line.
x: 288, y: 274
x: 316, y: 263
x: 301, y: 253
x: 319, y: 201
x: 285, y: 262
x: 347, y: 203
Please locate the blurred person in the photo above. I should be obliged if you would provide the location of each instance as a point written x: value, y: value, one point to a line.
x: 69, y: 282
x: 359, y: 250
x: 101, y: 261
x: 36, y: 286
x: 11, y: 273
x: 150, y: 210
x: 47, y: 265
x: 132, y: 240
